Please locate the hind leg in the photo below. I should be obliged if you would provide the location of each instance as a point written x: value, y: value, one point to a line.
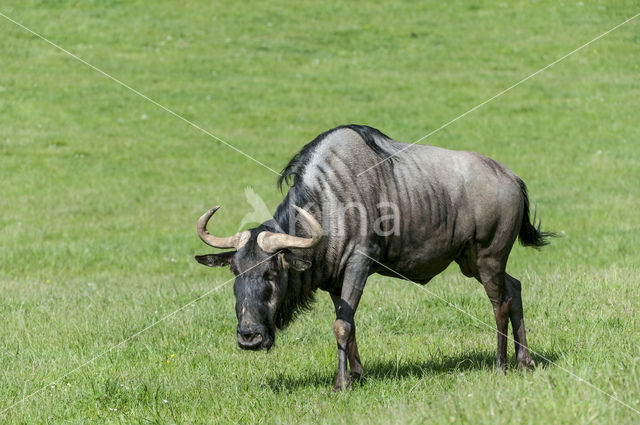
x: 517, y: 323
x: 492, y: 277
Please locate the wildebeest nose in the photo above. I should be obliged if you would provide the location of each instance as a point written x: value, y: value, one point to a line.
x: 247, y: 334
x: 249, y: 339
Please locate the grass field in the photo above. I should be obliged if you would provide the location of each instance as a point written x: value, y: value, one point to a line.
x: 100, y: 191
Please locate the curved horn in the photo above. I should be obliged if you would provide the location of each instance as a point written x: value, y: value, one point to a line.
x: 236, y: 241
x: 272, y: 242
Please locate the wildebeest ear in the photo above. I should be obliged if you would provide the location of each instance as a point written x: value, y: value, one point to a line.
x: 216, y: 260
x: 290, y: 260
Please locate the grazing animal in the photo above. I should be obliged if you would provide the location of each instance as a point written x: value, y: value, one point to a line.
x: 409, y: 216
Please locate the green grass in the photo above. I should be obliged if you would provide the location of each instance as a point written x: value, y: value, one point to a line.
x: 100, y: 191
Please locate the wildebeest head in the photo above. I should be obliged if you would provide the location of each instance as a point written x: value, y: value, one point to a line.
x: 261, y: 263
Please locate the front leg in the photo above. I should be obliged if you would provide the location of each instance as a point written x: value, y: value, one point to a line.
x: 342, y: 330
x: 355, y: 366
x: 344, y: 327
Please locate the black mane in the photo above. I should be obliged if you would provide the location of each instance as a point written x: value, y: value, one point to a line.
x: 300, y: 196
x: 296, y: 166
x: 299, y: 299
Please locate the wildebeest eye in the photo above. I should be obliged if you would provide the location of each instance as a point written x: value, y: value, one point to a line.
x: 268, y: 290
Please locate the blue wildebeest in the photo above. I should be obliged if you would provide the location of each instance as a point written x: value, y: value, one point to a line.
x: 409, y: 216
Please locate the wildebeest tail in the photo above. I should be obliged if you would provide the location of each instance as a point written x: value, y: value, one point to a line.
x: 530, y: 234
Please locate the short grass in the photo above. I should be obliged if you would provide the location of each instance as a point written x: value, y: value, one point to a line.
x: 100, y: 190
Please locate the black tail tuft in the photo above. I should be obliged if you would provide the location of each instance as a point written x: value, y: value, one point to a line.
x: 530, y: 234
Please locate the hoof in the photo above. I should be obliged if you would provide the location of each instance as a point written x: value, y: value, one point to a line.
x: 341, y: 384
x: 526, y: 364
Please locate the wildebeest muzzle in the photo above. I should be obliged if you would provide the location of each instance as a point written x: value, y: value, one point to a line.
x: 254, y: 338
